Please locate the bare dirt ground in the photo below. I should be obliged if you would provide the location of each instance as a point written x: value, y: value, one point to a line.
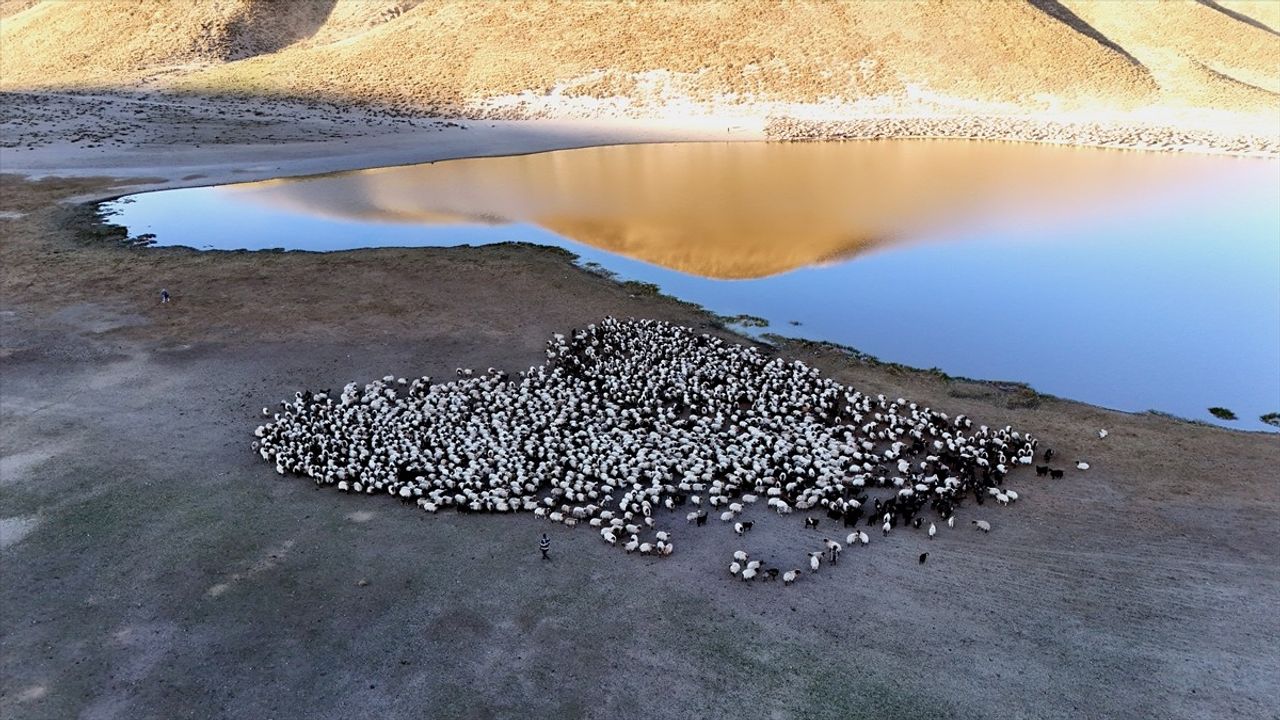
x: 153, y: 567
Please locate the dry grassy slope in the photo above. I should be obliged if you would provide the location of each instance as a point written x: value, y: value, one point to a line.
x: 66, y: 42
x: 1220, y: 59
x: 436, y: 54
x: 445, y: 54
x: 13, y: 7
x: 1261, y: 12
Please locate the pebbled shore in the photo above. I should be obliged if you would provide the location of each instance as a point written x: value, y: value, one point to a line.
x: 1166, y: 138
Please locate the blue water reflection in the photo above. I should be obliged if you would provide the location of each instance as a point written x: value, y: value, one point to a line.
x: 1168, y: 302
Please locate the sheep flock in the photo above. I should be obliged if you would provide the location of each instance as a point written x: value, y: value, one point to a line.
x: 632, y: 421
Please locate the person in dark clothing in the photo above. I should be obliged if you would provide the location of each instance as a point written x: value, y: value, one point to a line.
x: 545, y: 546
x: 164, y: 296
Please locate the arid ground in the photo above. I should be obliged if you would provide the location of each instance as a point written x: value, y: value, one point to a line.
x: 153, y: 567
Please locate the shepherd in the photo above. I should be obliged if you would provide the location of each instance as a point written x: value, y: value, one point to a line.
x: 545, y: 546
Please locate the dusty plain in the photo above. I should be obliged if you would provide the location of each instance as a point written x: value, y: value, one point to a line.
x: 153, y: 567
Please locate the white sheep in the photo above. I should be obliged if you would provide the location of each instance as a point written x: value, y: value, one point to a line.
x: 933, y: 530
x: 982, y: 525
x: 740, y: 555
x: 726, y: 516
x: 632, y: 544
x: 737, y: 528
x: 790, y: 576
x: 814, y: 561
x: 735, y: 567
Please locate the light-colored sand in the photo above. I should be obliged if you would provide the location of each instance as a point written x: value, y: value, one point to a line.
x: 193, y: 141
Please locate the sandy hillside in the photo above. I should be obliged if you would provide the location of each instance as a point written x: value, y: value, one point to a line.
x: 540, y: 57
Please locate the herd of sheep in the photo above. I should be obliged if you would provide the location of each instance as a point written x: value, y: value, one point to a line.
x: 630, y: 420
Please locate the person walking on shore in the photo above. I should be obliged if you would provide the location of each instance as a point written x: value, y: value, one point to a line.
x: 545, y: 546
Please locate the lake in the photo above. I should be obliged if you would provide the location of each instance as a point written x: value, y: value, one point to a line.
x: 1124, y: 279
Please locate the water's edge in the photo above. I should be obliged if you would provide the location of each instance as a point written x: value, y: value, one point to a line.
x: 90, y: 220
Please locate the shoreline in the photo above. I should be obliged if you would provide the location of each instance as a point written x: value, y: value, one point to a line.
x: 729, y: 324
x: 1063, y: 132
x: 497, y: 138
x: 364, y: 138
x: 510, y: 136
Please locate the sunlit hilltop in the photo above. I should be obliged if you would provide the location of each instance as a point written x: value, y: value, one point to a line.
x: 540, y: 58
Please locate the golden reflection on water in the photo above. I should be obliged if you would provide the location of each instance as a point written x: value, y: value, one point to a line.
x: 745, y: 210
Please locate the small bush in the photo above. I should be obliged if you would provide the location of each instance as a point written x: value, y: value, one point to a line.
x: 637, y: 287
x: 745, y: 320
x: 1222, y: 413
x: 1272, y: 419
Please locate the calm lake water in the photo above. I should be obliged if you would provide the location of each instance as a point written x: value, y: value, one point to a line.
x: 1130, y: 280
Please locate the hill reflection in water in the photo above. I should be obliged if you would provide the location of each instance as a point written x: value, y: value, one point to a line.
x: 740, y: 210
